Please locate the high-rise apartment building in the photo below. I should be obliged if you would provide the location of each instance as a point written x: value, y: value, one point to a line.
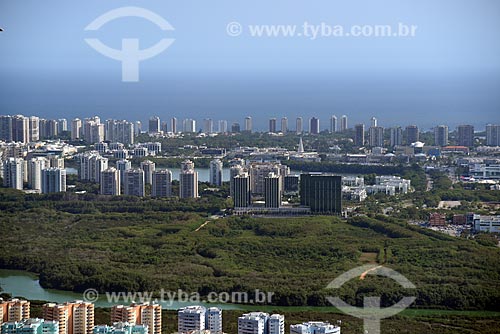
x: 6, y: 128
x: 261, y: 323
x: 234, y: 171
x: 13, y: 173
x: 272, y: 191
x: 272, y: 125
x: 133, y: 183
x: 191, y: 318
x: 117, y: 131
x: 14, y: 310
x: 76, y: 129
x: 276, y: 324
x: 465, y: 135
x: 34, y: 128
x: 189, y: 125
x: 162, y: 183
x: 213, y: 320
x: 35, y: 166
x: 123, y: 165
x: 321, y: 192
x: 208, y: 125
x: 412, y: 134
x: 49, y: 128
x: 235, y: 127
x: 284, y: 125
x: 216, y: 172
x: 299, y: 126
x: 222, y: 126
x: 493, y: 135
x: 90, y: 166
x: 75, y: 317
x: 147, y: 314
x: 376, y: 136
x: 62, y: 125
x: 137, y: 128
x: 92, y: 130
x: 396, y: 136
x: 343, y: 123
x: 248, y: 124
x: 188, y: 180
x: 441, y: 135
x: 314, y: 126
x: 173, y: 125
x: 359, y: 135
x: 241, y: 194
x: 148, y: 167
x: 20, y: 129
x: 53, y: 180
x: 258, y: 171
x: 333, y: 124
x: 110, y: 182
x: 154, y: 124
x: 198, y: 319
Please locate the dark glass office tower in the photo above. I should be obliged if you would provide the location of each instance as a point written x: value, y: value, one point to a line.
x: 321, y: 192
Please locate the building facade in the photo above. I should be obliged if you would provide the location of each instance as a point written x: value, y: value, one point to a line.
x: 53, y: 180
x: 321, y: 192
x: 110, y: 182
x: 188, y: 180
x: 162, y: 183
x: 133, y: 183
x: 75, y: 317
x: 216, y: 172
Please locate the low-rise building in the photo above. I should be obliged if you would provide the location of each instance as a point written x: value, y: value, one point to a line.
x: 437, y: 219
x: 484, y: 223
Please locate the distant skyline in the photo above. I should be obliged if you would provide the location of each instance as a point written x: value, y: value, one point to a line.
x: 199, y: 123
x: 449, y: 73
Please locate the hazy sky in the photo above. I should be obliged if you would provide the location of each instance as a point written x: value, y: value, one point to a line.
x: 452, y: 64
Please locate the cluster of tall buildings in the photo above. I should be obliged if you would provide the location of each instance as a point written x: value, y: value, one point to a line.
x: 411, y: 135
x: 42, y: 174
x: 22, y: 129
x: 123, y: 179
x: 189, y: 125
x: 260, y: 179
x: 19, y: 128
x: 320, y: 192
x: 313, y: 125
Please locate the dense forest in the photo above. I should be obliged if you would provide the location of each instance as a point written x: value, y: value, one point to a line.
x: 140, y: 244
